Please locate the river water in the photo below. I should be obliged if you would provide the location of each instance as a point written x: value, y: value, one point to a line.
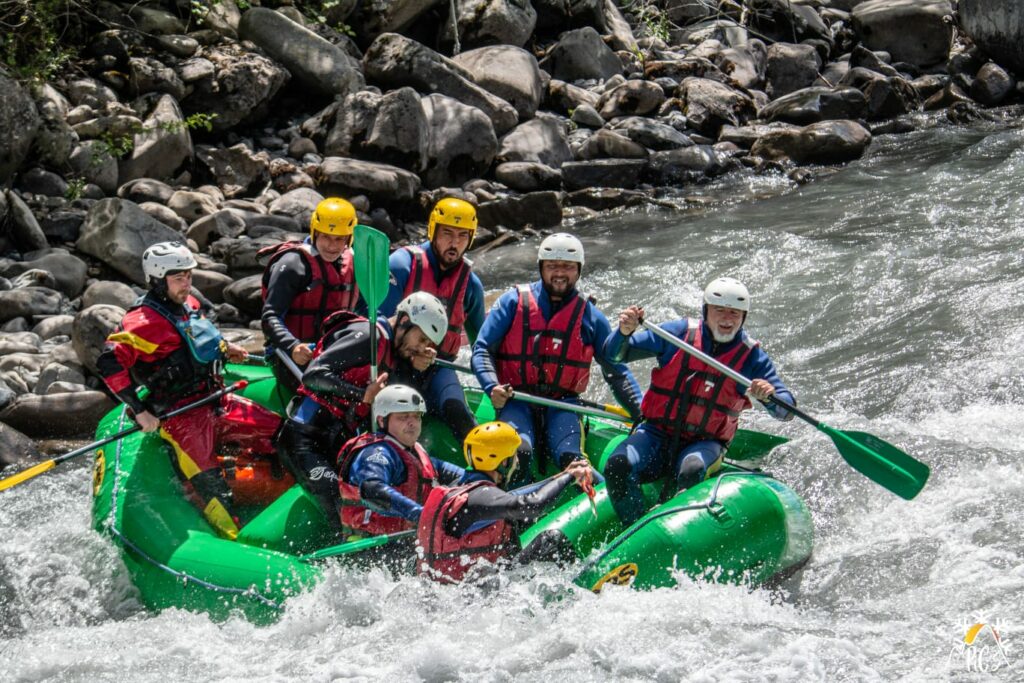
x: 890, y: 296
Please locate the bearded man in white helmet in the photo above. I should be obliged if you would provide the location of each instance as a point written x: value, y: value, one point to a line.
x: 540, y: 338
x: 165, y: 344
x: 691, y: 411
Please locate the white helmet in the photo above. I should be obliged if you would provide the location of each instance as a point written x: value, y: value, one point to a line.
x: 728, y: 293
x: 397, y: 398
x: 165, y: 257
x: 426, y: 312
x: 561, y: 247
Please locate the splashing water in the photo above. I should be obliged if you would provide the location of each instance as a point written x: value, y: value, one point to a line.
x: 889, y: 295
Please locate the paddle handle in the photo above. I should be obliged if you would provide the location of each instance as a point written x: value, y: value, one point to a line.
x: 357, y: 546
x: 289, y: 363
x: 599, y: 409
x: 658, y: 331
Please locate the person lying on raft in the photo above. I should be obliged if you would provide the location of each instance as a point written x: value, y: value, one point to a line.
x: 385, y: 476
x: 165, y: 344
x: 333, y: 402
x: 478, y: 522
x: 691, y: 411
x: 540, y: 339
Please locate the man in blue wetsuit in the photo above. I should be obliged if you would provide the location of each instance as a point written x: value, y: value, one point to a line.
x: 438, y: 266
x: 540, y: 339
x: 691, y: 411
x: 385, y: 476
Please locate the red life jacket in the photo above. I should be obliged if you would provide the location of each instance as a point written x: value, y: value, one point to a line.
x: 545, y: 357
x: 446, y: 558
x: 693, y: 401
x: 330, y: 289
x: 420, y: 480
x: 358, y: 375
x: 451, y: 291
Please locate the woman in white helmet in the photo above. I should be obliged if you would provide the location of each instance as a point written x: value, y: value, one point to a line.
x: 333, y: 402
x: 385, y: 476
x: 691, y: 411
x: 164, y: 344
x: 540, y: 338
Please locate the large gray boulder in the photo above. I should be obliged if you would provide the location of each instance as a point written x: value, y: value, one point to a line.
x: 391, y: 129
x: 345, y: 177
x: 22, y: 227
x: 633, y: 98
x: 790, y: 67
x: 581, y: 54
x: 15, y: 447
x: 682, y: 166
x: 237, y: 170
x: 19, y: 121
x: 319, y: 65
x: 578, y: 175
x: 117, y: 231
x: 997, y: 27
x: 462, y: 143
x: 161, y: 148
x: 67, y: 415
x: 90, y: 330
x: 826, y: 142
x: 394, y: 61
x: 535, y: 209
x: 541, y: 140
x: 913, y: 31
x: 709, y: 105
x: 992, y: 85
x: 241, y: 89
x: 509, y: 72
x: 816, y: 104
x: 68, y: 271
x: 27, y: 302
x: 649, y: 133
x: 493, y: 22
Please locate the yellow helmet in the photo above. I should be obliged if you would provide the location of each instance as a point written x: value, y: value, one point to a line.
x: 489, y: 445
x: 334, y: 216
x: 455, y: 213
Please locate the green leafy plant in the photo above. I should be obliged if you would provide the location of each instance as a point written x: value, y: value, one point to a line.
x: 37, y: 37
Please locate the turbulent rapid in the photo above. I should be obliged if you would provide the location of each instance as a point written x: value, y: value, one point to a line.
x: 889, y: 294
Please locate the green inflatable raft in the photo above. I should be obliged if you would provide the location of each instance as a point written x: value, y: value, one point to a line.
x: 738, y: 526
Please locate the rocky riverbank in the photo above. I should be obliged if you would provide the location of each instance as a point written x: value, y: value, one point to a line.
x: 225, y: 127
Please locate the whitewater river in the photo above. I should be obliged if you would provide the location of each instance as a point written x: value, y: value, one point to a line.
x: 890, y: 296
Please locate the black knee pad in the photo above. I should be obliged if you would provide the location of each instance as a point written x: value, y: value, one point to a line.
x: 548, y: 546
x: 691, y: 472
x: 617, y: 469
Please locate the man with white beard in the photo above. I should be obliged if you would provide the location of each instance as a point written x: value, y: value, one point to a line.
x: 691, y: 411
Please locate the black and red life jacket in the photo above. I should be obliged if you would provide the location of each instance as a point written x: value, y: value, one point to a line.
x: 451, y: 291
x: 357, y: 375
x: 447, y: 558
x: 545, y: 357
x: 420, y: 480
x: 693, y: 401
x: 330, y: 289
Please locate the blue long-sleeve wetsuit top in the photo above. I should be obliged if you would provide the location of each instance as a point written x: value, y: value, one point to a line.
x: 645, y: 344
x: 400, y: 264
x: 378, y: 468
x: 594, y: 329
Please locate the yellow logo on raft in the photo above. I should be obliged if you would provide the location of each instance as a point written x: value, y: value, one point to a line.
x: 99, y: 468
x: 622, y: 575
